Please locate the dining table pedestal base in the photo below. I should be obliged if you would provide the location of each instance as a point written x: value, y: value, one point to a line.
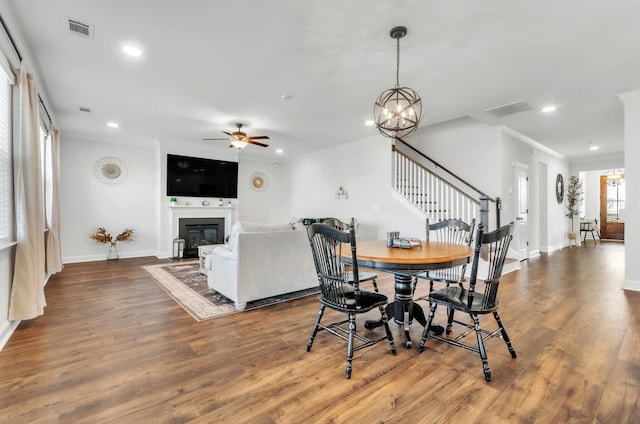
x: 404, y: 310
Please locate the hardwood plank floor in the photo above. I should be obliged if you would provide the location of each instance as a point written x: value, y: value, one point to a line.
x: 113, y: 347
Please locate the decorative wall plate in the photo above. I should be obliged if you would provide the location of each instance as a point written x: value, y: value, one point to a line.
x: 110, y: 170
x: 559, y: 188
x: 259, y: 181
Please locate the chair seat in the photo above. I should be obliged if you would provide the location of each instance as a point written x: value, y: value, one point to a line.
x: 447, y: 275
x: 456, y: 297
x: 348, y: 303
x: 362, y: 276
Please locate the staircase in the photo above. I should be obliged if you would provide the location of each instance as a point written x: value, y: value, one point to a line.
x: 431, y: 194
x: 428, y: 186
x: 436, y: 191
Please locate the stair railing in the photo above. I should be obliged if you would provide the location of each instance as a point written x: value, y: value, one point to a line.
x: 426, y: 184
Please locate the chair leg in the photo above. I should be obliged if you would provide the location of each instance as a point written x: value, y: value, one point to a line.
x: 385, y: 322
x: 375, y: 285
x: 425, y: 333
x: 481, y: 350
x: 352, y: 330
x: 449, y: 320
x: 315, y: 327
x: 505, y: 335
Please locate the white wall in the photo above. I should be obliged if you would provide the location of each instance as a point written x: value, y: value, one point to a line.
x: 553, y: 224
x: 484, y: 155
x: 363, y: 168
x: 268, y: 205
x: 466, y: 147
x: 87, y: 203
x: 632, y: 179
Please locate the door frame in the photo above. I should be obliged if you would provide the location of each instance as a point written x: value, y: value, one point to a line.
x: 521, y: 210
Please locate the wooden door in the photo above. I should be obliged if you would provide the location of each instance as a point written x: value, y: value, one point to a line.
x: 612, y: 207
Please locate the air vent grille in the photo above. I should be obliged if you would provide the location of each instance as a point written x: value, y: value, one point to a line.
x: 85, y: 109
x: 80, y: 28
x: 509, y: 109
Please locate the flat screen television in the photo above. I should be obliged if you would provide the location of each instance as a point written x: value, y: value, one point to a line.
x: 198, y: 177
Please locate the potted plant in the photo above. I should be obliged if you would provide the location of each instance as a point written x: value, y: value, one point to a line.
x: 174, y: 201
x: 574, y: 195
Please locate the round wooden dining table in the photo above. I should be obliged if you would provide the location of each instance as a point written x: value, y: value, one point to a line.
x: 405, y: 264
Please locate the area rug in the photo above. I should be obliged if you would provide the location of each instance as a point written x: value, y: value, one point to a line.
x: 188, y: 287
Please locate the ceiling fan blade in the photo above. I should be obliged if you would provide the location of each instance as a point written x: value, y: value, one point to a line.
x: 257, y: 143
x: 229, y: 134
x: 209, y: 139
x: 259, y: 137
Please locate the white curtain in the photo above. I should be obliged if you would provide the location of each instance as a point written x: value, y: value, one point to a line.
x: 27, y: 291
x: 53, y: 251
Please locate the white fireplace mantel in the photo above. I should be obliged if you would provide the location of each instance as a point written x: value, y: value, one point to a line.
x: 177, y: 212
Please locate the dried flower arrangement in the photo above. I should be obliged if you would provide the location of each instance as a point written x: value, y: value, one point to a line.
x: 102, y: 236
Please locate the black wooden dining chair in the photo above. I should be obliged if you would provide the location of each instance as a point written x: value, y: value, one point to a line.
x: 493, y: 247
x: 363, y: 275
x: 453, y: 231
x: 337, y: 292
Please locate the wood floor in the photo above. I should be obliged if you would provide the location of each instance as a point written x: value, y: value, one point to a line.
x: 113, y: 347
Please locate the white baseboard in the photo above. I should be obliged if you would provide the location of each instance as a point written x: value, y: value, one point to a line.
x: 631, y: 285
x: 102, y: 257
x: 6, y: 331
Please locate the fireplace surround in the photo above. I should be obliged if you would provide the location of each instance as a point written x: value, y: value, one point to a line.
x: 178, y: 212
x: 200, y: 232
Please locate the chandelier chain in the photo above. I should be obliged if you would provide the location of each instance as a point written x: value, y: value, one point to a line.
x: 397, y: 63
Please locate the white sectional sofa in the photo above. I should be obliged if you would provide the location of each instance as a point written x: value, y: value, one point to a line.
x: 261, y: 260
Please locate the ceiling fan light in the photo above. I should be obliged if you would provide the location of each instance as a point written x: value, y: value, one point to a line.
x: 238, y: 144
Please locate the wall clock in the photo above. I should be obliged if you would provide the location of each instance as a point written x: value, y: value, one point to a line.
x: 559, y: 188
x: 110, y: 170
x: 259, y: 181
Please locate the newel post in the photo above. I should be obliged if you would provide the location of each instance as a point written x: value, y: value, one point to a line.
x: 484, y: 211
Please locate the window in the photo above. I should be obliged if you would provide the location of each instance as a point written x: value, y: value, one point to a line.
x: 615, y: 198
x: 6, y: 180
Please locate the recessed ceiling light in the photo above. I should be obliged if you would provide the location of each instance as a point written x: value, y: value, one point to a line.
x: 369, y: 123
x: 285, y: 97
x: 132, y: 51
x: 594, y: 148
x: 113, y: 124
x: 279, y: 150
x: 548, y: 109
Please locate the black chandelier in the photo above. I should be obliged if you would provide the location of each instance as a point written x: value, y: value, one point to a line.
x: 398, y: 110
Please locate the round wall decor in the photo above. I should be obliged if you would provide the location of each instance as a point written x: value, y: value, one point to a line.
x: 110, y: 170
x: 259, y: 181
x: 559, y: 188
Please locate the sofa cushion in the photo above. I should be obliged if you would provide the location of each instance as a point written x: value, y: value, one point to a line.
x: 257, y: 227
x: 253, y: 227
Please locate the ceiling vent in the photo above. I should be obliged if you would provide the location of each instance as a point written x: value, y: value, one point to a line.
x: 509, y: 109
x: 81, y: 29
x: 85, y: 109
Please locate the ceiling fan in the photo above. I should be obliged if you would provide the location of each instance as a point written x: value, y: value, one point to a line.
x: 239, y: 139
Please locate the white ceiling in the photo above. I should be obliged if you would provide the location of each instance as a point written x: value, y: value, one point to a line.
x: 207, y: 64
